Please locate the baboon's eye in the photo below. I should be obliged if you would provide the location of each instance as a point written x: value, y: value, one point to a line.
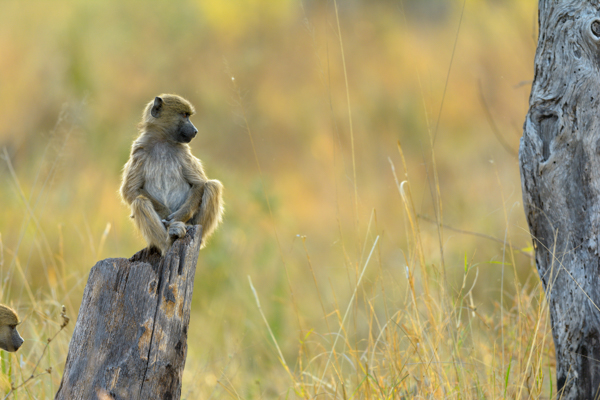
x: 12, y: 326
x: 185, y: 115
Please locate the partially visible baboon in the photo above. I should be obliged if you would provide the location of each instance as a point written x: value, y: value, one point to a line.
x: 10, y: 340
x: 163, y: 182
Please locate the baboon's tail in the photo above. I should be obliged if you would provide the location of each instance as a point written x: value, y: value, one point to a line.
x: 211, y: 208
x: 149, y: 224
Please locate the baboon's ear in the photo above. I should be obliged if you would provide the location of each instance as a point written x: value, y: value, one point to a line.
x: 156, y: 107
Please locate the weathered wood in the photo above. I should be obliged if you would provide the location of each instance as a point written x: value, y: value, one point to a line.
x: 560, y: 174
x: 130, y: 339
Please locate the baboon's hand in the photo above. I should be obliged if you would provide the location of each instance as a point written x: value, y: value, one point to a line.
x: 183, y: 215
x: 176, y: 231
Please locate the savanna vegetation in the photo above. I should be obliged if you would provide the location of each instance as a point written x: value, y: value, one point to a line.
x: 374, y: 244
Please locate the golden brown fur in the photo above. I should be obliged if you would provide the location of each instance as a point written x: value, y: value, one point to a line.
x: 10, y: 340
x: 164, y: 184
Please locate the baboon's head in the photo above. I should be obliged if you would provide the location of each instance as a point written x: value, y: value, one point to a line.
x: 170, y: 114
x: 10, y: 340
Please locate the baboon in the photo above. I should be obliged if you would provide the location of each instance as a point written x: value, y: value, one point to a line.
x: 164, y: 184
x: 10, y: 340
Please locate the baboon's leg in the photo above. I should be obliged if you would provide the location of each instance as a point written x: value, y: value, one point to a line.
x: 149, y: 224
x: 210, y: 211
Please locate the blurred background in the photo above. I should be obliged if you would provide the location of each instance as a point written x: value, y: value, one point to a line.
x: 306, y: 109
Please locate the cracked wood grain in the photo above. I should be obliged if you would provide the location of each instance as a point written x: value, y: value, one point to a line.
x: 130, y: 339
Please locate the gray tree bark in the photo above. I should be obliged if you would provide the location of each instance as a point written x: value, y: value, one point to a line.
x: 560, y: 175
x: 130, y: 339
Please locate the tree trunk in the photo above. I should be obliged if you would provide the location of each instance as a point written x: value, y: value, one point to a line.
x: 560, y: 174
x: 130, y: 340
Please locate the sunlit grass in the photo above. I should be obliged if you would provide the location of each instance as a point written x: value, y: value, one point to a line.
x: 433, y: 342
x: 406, y: 332
x: 402, y: 332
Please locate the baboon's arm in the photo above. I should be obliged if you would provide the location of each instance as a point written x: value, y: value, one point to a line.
x: 194, y: 175
x: 190, y: 207
x: 162, y: 210
x: 133, y: 178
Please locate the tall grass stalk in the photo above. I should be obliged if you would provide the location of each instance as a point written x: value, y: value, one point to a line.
x: 424, y: 349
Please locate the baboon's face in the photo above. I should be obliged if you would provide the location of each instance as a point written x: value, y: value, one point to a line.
x: 186, y: 131
x: 10, y: 340
x: 172, y: 113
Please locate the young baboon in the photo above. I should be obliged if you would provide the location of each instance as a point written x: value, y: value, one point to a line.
x: 163, y: 182
x: 10, y: 340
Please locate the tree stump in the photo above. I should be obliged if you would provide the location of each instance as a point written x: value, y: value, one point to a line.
x: 130, y: 339
x: 560, y: 174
